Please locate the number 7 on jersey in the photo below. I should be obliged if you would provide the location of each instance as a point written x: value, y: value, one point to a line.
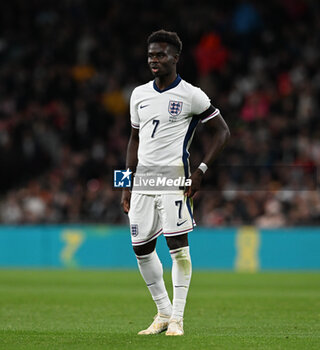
x: 156, y: 123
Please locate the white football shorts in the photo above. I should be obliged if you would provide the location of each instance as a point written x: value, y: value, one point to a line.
x: 153, y: 215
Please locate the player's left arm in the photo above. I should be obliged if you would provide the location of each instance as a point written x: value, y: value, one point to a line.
x: 220, y: 136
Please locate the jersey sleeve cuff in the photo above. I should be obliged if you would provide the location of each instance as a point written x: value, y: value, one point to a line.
x: 135, y: 126
x: 210, y: 116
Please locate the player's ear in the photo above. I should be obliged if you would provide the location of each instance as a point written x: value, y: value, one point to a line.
x: 176, y: 58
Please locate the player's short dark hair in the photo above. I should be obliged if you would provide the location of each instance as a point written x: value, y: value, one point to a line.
x: 163, y: 36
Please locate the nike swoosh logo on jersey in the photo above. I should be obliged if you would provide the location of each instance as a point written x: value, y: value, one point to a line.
x: 143, y: 106
x: 181, y: 223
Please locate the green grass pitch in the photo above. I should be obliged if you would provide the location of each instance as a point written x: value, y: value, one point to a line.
x: 105, y: 310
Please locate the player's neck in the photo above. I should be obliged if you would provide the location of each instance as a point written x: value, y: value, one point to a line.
x: 166, y: 80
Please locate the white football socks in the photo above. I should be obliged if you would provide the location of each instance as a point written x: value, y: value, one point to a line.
x: 181, y: 276
x: 152, y: 272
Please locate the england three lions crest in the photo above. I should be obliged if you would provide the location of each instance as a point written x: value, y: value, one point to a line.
x: 175, y: 108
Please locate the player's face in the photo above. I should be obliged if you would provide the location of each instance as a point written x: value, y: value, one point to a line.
x: 162, y: 59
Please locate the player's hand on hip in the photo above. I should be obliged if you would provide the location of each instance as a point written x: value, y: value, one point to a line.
x: 196, y: 179
x: 125, y: 200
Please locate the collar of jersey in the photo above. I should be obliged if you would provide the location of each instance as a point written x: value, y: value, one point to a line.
x: 171, y: 86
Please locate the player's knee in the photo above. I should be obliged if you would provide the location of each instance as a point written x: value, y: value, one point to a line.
x: 176, y: 242
x: 145, y: 249
x: 139, y: 250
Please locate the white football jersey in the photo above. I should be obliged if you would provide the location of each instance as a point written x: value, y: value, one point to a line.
x: 166, y: 120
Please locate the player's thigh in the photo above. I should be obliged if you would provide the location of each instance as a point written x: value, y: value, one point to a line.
x: 144, y: 219
x: 176, y: 215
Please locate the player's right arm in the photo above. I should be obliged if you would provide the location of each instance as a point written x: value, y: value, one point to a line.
x: 131, y: 163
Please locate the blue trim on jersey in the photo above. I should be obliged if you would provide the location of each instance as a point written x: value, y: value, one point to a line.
x: 171, y: 86
x: 185, y: 153
x: 190, y: 210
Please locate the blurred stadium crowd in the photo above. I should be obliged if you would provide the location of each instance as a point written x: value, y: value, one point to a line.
x: 67, y: 69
